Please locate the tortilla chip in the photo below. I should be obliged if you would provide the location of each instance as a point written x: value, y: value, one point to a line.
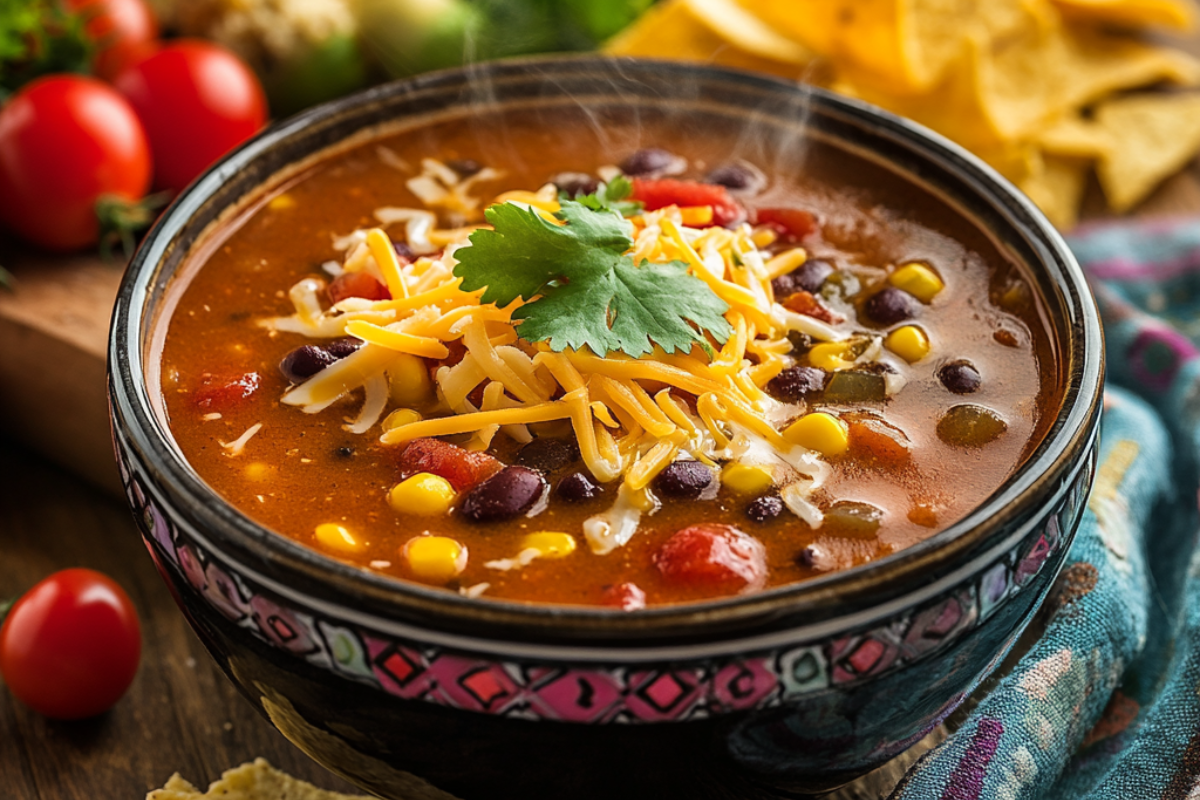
x: 1056, y: 186
x: 711, y: 31
x: 897, y: 46
x: 1153, y: 136
x: 254, y: 781
x: 1011, y: 92
x: 1075, y: 137
x: 1178, y: 14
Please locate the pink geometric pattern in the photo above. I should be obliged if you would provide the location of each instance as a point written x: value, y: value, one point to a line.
x: 592, y: 694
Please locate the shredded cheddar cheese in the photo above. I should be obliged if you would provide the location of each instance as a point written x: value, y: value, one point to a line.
x: 631, y: 417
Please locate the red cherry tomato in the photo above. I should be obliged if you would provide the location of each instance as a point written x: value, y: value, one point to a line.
x: 225, y: 392
x: 357, y: 284
x: 792, y: 224
x: 665, y: 192
x: 69, y: 647
x: 197, y: 101
x: 713, y: 557
x: 123, y: 31
x: 67, y: 141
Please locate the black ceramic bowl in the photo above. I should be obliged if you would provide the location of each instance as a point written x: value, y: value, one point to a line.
x: 795, y: 688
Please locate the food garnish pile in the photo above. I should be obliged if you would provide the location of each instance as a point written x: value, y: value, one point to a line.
x: 1046, y: 91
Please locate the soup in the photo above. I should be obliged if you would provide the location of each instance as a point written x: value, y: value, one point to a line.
x: 550, y: 365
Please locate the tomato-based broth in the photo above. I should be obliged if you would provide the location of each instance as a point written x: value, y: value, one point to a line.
x: 799, y: 362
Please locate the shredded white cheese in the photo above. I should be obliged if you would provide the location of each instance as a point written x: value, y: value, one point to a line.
x: 236, y: 447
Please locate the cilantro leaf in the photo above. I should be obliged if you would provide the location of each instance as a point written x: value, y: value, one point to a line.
x: 612, y: 196
x: 584, y: 290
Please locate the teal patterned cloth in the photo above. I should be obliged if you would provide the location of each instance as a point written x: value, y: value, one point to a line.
x: 1106, y: 704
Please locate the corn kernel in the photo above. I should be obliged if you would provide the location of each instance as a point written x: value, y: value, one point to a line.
x: 819, y: 431
x: 909, y: 342
x: 423, y: 494
x: 831, y: 356
x: 401, y: 417
x: 436, y: 559
x: 550, y: 544
x: 336, y: 537
x: 281, y: 202
x: 762, y: 237
x: 409, y: 381
x: 695, y: 216
x: 747, y: 478
x: 257, y: 471
x: 918, y: 280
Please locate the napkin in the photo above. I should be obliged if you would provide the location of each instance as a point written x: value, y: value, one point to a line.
x: 1106, y: 704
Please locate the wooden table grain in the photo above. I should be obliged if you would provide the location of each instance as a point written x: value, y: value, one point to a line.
x: 181, y: 714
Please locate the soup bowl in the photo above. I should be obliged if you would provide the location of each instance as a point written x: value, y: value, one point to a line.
x: 402, y: 688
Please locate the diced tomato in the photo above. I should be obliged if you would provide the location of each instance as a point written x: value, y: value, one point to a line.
x: 792, y: 224
x: 224, y: 392
x: 663, y: 192
x: 713, y: 557
x: 461, y: 467
x: 807, y: 304
x: 625, y: 596
x: 357, y: 284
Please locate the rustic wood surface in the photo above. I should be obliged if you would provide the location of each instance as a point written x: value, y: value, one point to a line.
x: 181, y: 715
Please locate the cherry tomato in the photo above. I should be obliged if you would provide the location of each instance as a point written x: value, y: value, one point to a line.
x: 69, y: 647
x: 225, y: 392
x: 663, y: 192
x: 123, y: 30
x: 67, y: 141
x: 357, y: 284
x: 792, y: 224
x: 197, y: 101
x: 713, y: 557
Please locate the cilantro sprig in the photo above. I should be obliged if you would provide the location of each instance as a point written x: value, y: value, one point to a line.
x: 612, y: 195
x: 580, y: 287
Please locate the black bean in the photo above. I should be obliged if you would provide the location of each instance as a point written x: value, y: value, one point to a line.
x: 960, y: 377
x: 808, y: 277
x: 345, y: 452
x: 764, y: 508
x: 807, y: 557
x: 508, y: 493
x: 738, y: 176
x: 304, y: 362
x: 404, y: 251
x: 573, y: 184
x: 548, y: 455
x: 891, y: 305
x: 651, y: 161
x: 340, y: 348
x: 577, y: 487
x: 684, y: 479
x: 465, y: 167
x: 796, y: 383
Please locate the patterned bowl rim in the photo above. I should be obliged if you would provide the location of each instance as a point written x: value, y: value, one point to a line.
x: 830, y: 602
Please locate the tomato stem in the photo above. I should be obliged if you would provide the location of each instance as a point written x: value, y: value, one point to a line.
x: 5, y: 606
x: 6, y: 280
x: 120, y: 219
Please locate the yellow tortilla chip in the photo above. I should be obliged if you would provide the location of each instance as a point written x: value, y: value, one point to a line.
x: 255, y: 781
x: 1075, y: 137
x: 1178, y: 14
x: 1056, y: 186
x: 711, y: 31
x: 1153, y: 136
x: 1010, y: 92
x: 897, y: 46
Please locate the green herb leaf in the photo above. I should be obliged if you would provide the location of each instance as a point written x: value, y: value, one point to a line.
x: 584, y: 290
x: 612, y: 196
x: 6, y: 280
x: 40, y: 37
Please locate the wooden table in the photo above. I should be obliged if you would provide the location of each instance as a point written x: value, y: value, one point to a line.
x: 181, y: 714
